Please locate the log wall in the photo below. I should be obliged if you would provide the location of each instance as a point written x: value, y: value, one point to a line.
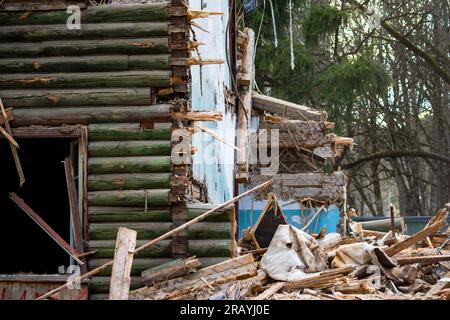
x: 113, y: 76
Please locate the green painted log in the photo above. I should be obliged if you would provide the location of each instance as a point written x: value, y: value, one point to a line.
x: 86, y: 63
x: 129, y: 165
x: 105, y: 249
x: 139, y: 265
x: 80, y: 97
x: 84, y: 47
x: 126, y: 131
x: 86, y: 115
x: 210, y: 248
x: 108, y: 231
x: 129, y: 198
x: 128, y: 214
x: 99, y: 284
x: 88, y: 31
x: 129, y: 148
x: 201, y: 230
x: 95, y: 14
x: 138, y: 214
x: 128, y: 181
x: 86, y: 80
x: 196, y: 209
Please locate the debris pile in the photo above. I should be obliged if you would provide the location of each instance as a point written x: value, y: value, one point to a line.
x: 365, y: 265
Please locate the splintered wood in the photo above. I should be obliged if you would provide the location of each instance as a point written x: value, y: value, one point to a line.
x: 401, y: 270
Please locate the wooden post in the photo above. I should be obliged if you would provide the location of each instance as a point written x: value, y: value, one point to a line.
x: 123, y: 259
x: 391, y: 208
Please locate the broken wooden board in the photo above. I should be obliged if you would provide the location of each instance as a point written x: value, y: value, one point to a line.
x: 169, y: 270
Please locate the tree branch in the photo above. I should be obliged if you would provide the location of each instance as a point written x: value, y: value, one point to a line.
x: 396, y: 154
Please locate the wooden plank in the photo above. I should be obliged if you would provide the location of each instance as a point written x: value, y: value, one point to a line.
x: 44, y: 226
x: 419, y: 236
x: 123, y: 259
x: 94, y: 14
x: 156, y: 164
x: 88, y: 31
x: 127, y: 131
x: 128, y: 181
x: 129, y: 148
x: 169, y: 270
x: 121, y: 79
x: 88, y: 115
x: 126, y: 198
x: 198, y: 115
x: 117, y: 62
x: 270, y: 292
x: 128, y: 46
x: 423, y: 259
x: 287, y: 109
x: 74, y: 212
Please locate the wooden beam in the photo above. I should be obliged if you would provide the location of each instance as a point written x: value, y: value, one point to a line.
x: 423, y: 259
x: 169, y: 270
x: 270, y: 292
x: 419, y: 236
x: 286, y: 108
x: 161, y: 238
x: 73, y: 203
x: 123, y: 260
x: 12, y: 145
x: 198, y: 115
x: 44, y: 226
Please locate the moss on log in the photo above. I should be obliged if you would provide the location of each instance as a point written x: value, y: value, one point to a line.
x: 129, y: 198
x: 99, y: 284
x: 77, y: 97
x: 86, y: 80
x: 126, y: 131
x: 139, y: 265
x: 88, y: 31
x: 105, y: 249
x: 128, y: 214
x: 84, y: 47
x: 85, y: 63
x: 129, y: 165
x: 87, y: 115
x: 108, y: 231
x: 210, y: 248
x: 128, y: 181
x: 200, y: 230
x: 95, y: 14
x: 138, y: 214
x: 129, y: 148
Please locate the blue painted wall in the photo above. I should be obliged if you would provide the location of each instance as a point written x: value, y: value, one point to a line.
x: 213, y: 163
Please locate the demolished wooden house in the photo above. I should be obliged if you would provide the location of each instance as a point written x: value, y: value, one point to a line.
x: 131, y: 121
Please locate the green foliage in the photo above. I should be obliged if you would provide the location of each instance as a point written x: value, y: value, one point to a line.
x: 321, y: 21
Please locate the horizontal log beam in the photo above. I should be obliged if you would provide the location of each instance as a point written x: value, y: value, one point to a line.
x: 128, y: 181
x: 84, y: 47
x: 86, y: 80
x: 138, y: 214
x: 100, y: 284
x: 76, y: 97
x: 201, y: 230
x: 87, y: 115
x: 105, y: 249
x: 85, y: 63
x: 88, y: 31
x: 129, y: 198
x: 198, y: 116
x: 129, y: 148
x: 199, y: 248
x: 126, y: 131
x: 94, y: 14
x: 128, y: 165
x: 128, y: 214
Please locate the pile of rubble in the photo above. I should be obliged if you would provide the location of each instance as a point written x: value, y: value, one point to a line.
x: 364, y: 265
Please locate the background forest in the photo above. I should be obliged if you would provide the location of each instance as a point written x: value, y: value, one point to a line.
x: 381, y: 70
